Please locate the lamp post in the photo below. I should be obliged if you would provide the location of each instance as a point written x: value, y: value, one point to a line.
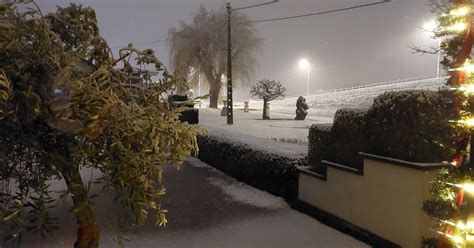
x: 304, y: 64
x: 230, y: 112
x: 430, y: 27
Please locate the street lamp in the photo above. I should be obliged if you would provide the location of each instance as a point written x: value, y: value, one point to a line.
x: 230, y: 112
x: 431, y: 27
x: 304, y: 64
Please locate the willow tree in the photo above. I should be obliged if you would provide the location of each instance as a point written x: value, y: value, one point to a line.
x: 66, y: 104
x: 201, y: 46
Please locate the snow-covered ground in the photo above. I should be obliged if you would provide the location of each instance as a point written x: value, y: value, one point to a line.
x: 325, y: 104
x: 281, y: 126
x: 206, y: 209
x: 322, y: 108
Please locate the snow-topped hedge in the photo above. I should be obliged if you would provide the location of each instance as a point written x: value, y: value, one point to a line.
x: 340, y: 142
x: 347, y: 136
x: 411, y: 125
x: 265, y: 164
x: 319, y: 142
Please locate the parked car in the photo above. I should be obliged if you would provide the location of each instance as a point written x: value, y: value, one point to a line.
x: 191, y: 114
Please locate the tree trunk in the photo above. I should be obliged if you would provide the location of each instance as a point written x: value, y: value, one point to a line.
x: 265, y: 110
x: 214, y: 91
x: 87, y: 233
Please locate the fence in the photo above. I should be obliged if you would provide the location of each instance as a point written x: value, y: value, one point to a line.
x: 368, y: 85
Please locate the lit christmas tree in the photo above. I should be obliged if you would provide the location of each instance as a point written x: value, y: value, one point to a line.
x: 452, y: 205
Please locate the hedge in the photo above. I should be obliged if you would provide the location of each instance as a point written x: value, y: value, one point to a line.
x: 347, y: 137
x: 319, y: 140
x: 411, y: 125
x: 265, y: 164
x: 340, y: 142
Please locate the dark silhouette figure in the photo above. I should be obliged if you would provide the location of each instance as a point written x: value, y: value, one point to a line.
x: 301, y: 108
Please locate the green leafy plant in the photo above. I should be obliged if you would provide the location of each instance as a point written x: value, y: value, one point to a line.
x: 66, y: 104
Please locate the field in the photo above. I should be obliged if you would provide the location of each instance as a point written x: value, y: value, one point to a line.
x: 325, y: 104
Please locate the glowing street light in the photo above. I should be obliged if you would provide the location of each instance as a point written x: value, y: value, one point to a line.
x: 304, y: 64
x: 431, y: 26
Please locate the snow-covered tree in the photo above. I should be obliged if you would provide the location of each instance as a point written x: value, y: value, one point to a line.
x: 268, y: 90
x: 201, y: 46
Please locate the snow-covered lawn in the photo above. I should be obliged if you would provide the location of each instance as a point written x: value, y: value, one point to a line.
x: 280, y: 126
x: 325, y: 104
x: 322, y: 109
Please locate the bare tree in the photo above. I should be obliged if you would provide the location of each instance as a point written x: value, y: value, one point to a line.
x: 200, y: 48
x: 268, y: 90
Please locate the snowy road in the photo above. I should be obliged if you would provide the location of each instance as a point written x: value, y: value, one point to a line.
x: 209, y: 209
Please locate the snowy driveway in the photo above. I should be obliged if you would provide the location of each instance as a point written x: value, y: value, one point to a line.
x: 209, y: 209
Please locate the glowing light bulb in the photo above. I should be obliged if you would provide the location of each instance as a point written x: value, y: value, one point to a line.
x: 457, y: 239
x: 467, y: 122
x: 459, y: 11
x: 468, y: 89
x: 469, y: 187
x: 457, y: 27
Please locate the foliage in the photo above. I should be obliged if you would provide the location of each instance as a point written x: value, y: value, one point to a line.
x: 297, y: 141
x: 411, y: 125
x: 347, y: 136
x: 319, y: 141
x: 451, y: 206
x: 265, y: 168
x: 268, y: 90
x: 200, y: 48
x: 66, y: 104
x: 340, y: 142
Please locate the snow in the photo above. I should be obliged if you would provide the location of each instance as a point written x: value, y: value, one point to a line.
x: 238, y: 191
x: 241, y: 192
x: 327, y: 103
x: 206, y: 209
x: 323, y: 106
x: 268, y: 146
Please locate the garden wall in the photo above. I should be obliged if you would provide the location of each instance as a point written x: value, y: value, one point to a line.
x: 385, y: 201
x: 265, y: 164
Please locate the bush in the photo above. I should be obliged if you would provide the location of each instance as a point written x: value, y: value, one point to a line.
x: 347, y: 137
x: 262, y: 163
x: 411, y: 125
x: 340, y: 142
x: 319, y: 141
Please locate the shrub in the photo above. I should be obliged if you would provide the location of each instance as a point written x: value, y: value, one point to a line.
x: 340, y: 142
x: 265, y: 164
x: 319, y: 140
x: 411, y: 125
x: 347, y: 137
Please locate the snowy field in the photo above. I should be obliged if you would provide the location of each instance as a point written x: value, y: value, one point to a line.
x: 322, y: 108
x: 327, y: 103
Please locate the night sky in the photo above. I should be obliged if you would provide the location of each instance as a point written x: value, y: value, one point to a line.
x: 347, y: 48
